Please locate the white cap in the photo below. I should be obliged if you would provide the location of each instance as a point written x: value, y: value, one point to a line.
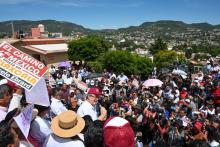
x: 187, y: 100
x: 3, y: 81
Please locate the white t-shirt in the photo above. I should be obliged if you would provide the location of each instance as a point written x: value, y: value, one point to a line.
x: 68, y: 81
x: 57, y: 106
x: 55, y: 141
x: 87, y: 109
x: 122, y: 78
x: 40, y: 129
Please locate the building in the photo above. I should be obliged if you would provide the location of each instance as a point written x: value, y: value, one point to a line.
x: 48, y: 51
x: 41, y: 27
x: 35, y: 32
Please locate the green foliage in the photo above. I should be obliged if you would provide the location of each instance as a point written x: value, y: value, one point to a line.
x: 124, y: 61
x: 88, y: 49
x: 95, y: 65
x: 2, y: 35
x: 166, y: 58
x: 158, y: 46
x: 213, y: 50
x: 144, y: 65
x: 205, y: 48
x: 200, y: 57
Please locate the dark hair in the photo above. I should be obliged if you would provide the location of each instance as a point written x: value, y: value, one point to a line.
x: 88, y: 122
x: 55, y: 91
x: 41, y: 108
x: 23, y: 101
x: 5, y: 89
x: 198, y: 143
x: 12, y: 114
x: 212, y: 133
x: 131, y: 120
x: 94, y: 135
x: 6, y: 136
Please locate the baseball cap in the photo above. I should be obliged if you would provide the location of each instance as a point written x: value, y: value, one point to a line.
x: 9, y: 83
x: 94, y: 91
x: 198, y: 125
x: 187, y: 100
x: 118, y: 133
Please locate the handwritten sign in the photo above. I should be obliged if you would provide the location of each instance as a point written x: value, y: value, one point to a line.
x: 19, y: 67
x: 23, y: 120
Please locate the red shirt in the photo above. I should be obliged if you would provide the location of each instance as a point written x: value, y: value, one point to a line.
x: 183, y: 94
x: 216, y: 94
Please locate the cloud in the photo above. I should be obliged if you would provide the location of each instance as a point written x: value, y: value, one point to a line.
x: 14, y: 2
x: 72, y: 4
x: 79, y: 3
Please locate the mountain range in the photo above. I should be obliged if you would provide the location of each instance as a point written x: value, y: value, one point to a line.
x: 50, y: 25
x: 67, y: 28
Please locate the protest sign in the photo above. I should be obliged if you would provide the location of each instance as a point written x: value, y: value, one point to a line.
x: 39, y: 94
x: 23, y: 120
x: 19, y: 67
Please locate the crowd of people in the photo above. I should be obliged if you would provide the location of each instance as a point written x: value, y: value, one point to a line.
x: 116, y: 110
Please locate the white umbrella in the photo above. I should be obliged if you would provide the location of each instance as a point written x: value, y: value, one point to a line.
x: 152, y: 83
x: 179, y: 72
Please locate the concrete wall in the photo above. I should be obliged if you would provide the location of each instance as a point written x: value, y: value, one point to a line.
x: 48, y: 59
x: 55, y: 58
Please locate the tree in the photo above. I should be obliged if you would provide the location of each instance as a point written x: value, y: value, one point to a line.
x: 88, y: 48
x: 95, y: 65
x: 158, y: 46
x: 166, y: 58
x: 144, y: 66
x: 124, y: 61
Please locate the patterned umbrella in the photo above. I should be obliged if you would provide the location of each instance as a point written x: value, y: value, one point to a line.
x: 152, y: 83
x: 64, y: 64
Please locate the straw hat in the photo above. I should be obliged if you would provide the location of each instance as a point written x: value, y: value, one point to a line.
x: 67, y: 124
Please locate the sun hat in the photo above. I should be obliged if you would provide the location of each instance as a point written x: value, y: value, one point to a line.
x: 67, y: 124
x: 118, y: 133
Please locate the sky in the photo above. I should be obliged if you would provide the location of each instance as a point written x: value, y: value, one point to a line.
x: 111, y: 14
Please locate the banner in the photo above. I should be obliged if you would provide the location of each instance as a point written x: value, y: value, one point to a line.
x: 23, y: 120
x: 19, y: 67
x: 39, y: 94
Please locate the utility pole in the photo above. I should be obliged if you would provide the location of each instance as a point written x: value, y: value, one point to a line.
x: 12, y: 28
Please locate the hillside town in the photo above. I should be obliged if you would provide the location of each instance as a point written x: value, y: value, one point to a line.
x: 189, y: 37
